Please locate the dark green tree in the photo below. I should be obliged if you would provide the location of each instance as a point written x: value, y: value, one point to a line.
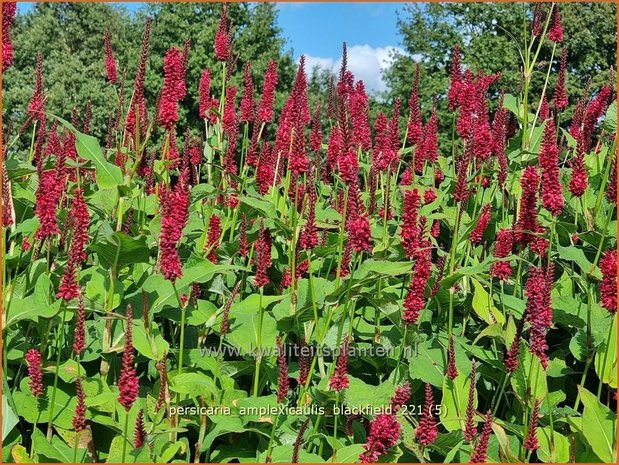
x: 70, y: 37
x: 490, y: 36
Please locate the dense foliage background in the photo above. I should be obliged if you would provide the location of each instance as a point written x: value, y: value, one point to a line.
x: 447, y: 249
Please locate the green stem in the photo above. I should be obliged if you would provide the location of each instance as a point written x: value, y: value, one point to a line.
x: 57, y: 369
x: 258, y: 346
x: 126, y: 437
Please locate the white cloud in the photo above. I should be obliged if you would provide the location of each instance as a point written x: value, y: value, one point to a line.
x: 365, y: 62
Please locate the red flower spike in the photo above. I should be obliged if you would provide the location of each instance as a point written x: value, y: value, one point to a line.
x: 36, y: 106
x: 512, y: 360
x: 470, y: 430
x: 452, y: 370
x: 79, y: 415
x: 415, y: 300
x: 139, y: 432
x: 128, y: 384
x: 263, y: 257
x: 410, y: 216
x: 384, y: 434
x: 304, y: 362
x: 539, y: 310
x: 243, y: 243
x: 173, y: 88
x: 531, y: 442
x: 427, y: 431
x: 359, y: 115
x: 555, y: 34
x: 265, y: 108
x: 35, y: 372
x: 223, y: 37
x: 484, y: 219
x: 502, y: 248
x: 283, y: 385
x: 204, y: 90
x: 552, y: 194
x: 608, y: 286
x: 560, y: 95
x: 580, y: 178
x: 229, y: 119
x: 110, y: 61
x: 8, y: 17
x: 480, y: 453
x: 527, y: 219
x: 174, y: 215
x: 339, y: 381
x: 212, y: 241
x: 400, y: 397
x: 536, y: 26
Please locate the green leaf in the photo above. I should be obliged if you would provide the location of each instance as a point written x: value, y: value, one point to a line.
x: 194, y: 385
x: 599, y: 426
x: 67, y: 371
x: 198, y: 271
x: 120, y: 249
x: 9, y: 417
x: 349, y: 454
x: 38, y: 305
x: 484, y: 307
x: 558, y: 451
x: 20, y: 454
x: 577, y: 256
x: 56, y: 450
x: 382, y: 267
x: 361, y: 394
x: 529, y: 370
x: 108, y: 174
x: 610, y: 120
x: 152, y: 344
x: 222, y: 425
x: 606, y: 356
x: 141, y: 455
x: 33, y: 410
x: 244, y: 324
x: 454, y: 401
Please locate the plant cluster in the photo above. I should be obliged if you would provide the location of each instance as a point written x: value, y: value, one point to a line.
x: 170, y: 293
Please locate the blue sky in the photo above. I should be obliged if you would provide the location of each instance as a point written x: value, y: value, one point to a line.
x: 317, y: 30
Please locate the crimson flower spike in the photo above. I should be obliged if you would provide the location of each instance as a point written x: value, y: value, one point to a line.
x: 35, y: 372
x: 552, y: 193
x: 384, y: 434
x: 531, y: 442
x: 339, y: 381
x: 139, y: 433
x: 223, y: 37
x: 400, y: 397
x: 128, y: 384
x: 283, y: 384
x: 8, y: 17
x: 79, y: 416
x: 427, y: 431
x: 110, y: 61
x: 470, y: 430
x: 608, y: 286
x: 480, y: 453
x: 452, y: 370
x: 265, y: 108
